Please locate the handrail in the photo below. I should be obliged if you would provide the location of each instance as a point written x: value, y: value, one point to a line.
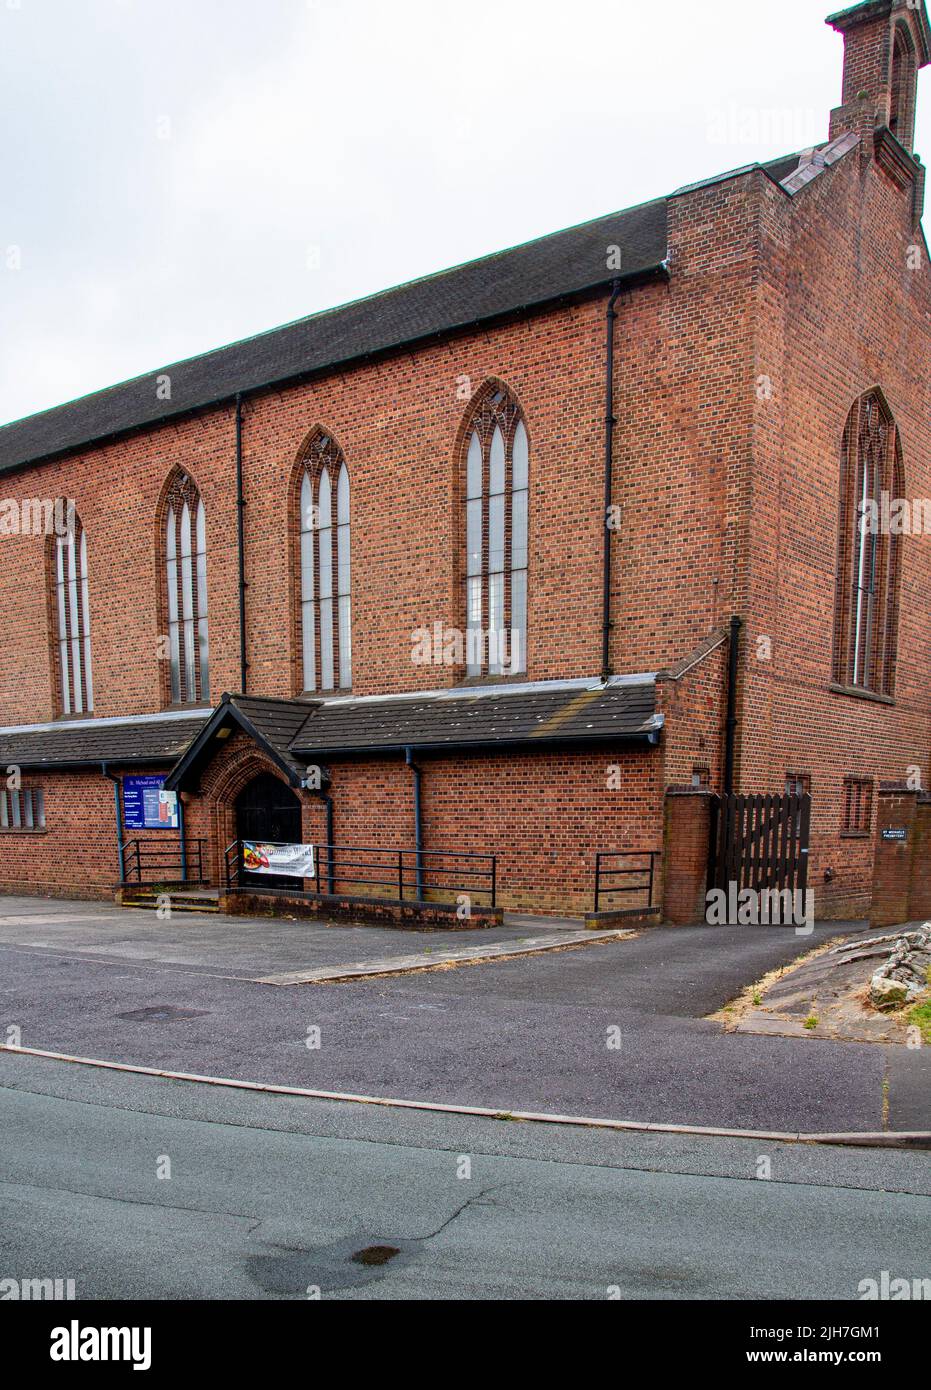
x: 137, y: 855
x: 601, y: 873
x: 452, y: 871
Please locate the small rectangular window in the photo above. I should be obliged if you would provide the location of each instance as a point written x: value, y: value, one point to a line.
x: 798, y: 783
x: 701, y: 776
x: 858, y: 805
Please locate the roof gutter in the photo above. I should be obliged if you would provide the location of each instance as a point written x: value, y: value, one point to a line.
x: 88, y: 764
x: 643, y: 737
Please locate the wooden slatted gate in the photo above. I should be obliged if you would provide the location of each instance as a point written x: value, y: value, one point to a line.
x: 759, y: 842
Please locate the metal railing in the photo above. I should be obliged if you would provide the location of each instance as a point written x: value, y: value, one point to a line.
x: 142, y: 858
x: 604, y: 871
x: 409, y: 874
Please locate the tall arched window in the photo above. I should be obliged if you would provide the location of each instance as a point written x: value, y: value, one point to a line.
x: 185, y: 571
x: 903, y: 87
x: 325, y: 566
x: 866, y: 603
x: 496, y: 495
x: 71, y: 610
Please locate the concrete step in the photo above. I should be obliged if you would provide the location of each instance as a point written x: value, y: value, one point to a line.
x: 180, y: 901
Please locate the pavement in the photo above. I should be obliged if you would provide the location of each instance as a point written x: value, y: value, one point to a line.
x: 245, y: 948
x: 615, y: 1030
x: 141, y: 1188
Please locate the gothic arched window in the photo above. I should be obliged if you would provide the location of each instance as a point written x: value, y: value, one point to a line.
x: 496, y: 505
x: 903, y: 87
x: 869, y: 558
x: 325, y: 567
x: 72, y: 622
x: 184, y: 553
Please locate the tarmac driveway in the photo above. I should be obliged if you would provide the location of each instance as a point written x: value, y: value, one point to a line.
x: 614, y: 1029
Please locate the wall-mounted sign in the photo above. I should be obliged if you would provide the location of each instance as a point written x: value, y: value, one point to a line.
x: 895, y: 832
x: 296, y: 861
x: 147, y: 806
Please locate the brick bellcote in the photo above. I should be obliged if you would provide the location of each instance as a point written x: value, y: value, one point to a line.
x: 886, y: 43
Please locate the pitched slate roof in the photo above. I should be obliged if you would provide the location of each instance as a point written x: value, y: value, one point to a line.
x: 533, y: 716
x: 533, y: 274
x: 83, y: 744
x: 276, y: 722
x: 526, y: 277
x: 270, y: 722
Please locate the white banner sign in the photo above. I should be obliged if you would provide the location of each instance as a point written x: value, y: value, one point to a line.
x: 296, y: 861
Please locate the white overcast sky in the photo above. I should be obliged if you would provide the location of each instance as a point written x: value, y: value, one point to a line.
x: 177, y: 174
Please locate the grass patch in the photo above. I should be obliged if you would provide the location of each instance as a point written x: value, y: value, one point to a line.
x: 811, y: 1021
x: 920, y: 1017
x: 753, y: 996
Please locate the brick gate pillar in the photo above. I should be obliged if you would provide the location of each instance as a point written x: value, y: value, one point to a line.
x: 896, y: 817
x: 686, y: 827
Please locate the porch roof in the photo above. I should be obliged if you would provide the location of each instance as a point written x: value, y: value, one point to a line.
x: 270, y: 723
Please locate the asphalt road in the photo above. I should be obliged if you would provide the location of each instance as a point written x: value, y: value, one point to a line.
x: 270, y: 1198
x: 530, y: 1034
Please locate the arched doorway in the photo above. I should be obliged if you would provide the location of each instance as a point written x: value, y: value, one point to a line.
x: 267, y: 809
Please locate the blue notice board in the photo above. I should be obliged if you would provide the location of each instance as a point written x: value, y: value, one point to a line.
x: 146, y: 806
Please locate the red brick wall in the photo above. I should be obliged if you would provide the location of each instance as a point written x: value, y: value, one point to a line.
x: 544, y: 816
x: 75, y: 856
x: 919, y: 902
x: 694, y: 706
x: 839, y: 311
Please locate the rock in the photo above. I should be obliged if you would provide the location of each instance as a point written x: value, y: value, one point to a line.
x: 886, y: 993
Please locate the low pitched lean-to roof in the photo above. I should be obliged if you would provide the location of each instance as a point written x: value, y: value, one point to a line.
x: 538, y: 715
x: 296, y: 733
x: 300, y: 733
x: 87, y: 743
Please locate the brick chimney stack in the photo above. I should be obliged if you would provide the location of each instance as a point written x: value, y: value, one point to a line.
x: 886, y: 42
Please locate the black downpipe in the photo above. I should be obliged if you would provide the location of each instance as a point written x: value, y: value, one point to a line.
x: 105, y: 769
x: 240, y: 509
x: 330, y: 879
x: 730, y: 728
x: 418, y: 820
x: 610, y: 422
